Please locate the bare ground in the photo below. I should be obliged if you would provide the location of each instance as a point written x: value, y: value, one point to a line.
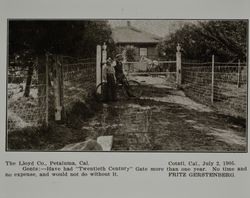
x: 164, y: 119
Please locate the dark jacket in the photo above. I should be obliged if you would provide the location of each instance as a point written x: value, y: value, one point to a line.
x: 119, y: 70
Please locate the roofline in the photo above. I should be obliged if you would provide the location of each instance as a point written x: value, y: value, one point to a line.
x: 121, y: 42
x: 135, y: 29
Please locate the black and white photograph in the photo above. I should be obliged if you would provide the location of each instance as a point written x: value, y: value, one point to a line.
x: 124, y: 98
x: 127, y: 85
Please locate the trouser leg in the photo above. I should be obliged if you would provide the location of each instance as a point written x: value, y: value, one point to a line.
x: 109, y: 88
x: 113, y: 89
x: 126, y: 86
x: 105, y: 91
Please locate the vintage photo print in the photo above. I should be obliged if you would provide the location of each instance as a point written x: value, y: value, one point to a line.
x: 127, y: 85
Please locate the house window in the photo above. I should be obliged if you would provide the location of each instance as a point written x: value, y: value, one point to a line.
x: 143, y: 51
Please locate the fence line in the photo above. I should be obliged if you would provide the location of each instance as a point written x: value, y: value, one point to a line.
x: 222, y: 85
x: 40, y: 88
x: 26, y: 94
x: 79, y: 80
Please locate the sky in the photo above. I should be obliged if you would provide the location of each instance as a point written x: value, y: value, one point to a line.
x: 158, y: 27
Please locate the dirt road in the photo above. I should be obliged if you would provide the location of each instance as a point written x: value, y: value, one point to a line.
x: 164, y: 119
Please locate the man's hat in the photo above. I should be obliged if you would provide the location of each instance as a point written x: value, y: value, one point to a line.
x: 119, y: 56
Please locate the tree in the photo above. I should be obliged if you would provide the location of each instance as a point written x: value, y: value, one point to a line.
x: 31, y: 38
x: 74, y: 38
x: 28, y: 79
x: 225, y: 39
x: 229, y: 37
x: 130, y: 53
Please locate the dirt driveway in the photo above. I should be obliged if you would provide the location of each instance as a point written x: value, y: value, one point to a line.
x: 164, y: 119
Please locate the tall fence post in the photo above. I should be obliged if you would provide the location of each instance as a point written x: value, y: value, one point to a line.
x: 47, y: 90
x: 57, y: 90
x: 60, y: 62
x: 98, y: 66
x: 239, y: 74
x: 212, y: 84
x: 178, y: 65
x: 104, y: 56
x: 103, y: 62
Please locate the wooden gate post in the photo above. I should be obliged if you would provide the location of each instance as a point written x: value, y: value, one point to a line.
x: 178, y: 65
x: 41, y: 70
x: 104, y: 55
x: 57, y: 89
x: 47, y: 90
x: 212, y: 84
x: 98, y: 66
x: 239, y: 74
x: 60, y: 62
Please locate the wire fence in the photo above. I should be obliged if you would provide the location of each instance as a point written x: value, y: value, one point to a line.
x: 26, y: 94
x: 34, y: 88
x: 222, y: 85
x: 79, y: 79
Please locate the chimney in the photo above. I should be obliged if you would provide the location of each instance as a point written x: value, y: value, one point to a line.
x: 128, y: 23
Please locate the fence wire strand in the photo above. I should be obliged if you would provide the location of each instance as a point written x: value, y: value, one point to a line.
x: 78, y: 80
x: 28, y: 102
x: 230, y: 85
x: 26, y: 94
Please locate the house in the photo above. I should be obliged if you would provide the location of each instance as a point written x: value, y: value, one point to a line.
x: 145, y: 43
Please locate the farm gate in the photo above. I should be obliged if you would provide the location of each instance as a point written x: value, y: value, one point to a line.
x: 169, y: 70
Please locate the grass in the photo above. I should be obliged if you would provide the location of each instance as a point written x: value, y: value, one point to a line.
x: 228, y: 98
x: 56, y: 135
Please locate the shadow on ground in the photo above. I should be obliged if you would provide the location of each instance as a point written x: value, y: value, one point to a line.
x: 164, y: 119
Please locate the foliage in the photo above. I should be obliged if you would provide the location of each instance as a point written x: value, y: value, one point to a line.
x: 74, y: 38
x: 119, y: 49
x: 130, y: 53
x: 227, y: 40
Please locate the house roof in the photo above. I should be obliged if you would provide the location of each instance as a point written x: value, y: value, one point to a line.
x: 129, y: 34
